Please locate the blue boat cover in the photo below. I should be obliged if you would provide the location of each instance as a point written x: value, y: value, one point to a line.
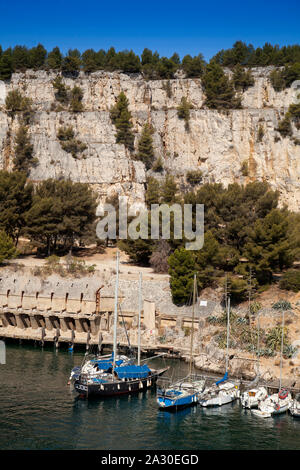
x: 223, y: 379
x: 106, y: 364
x: 132, y: 371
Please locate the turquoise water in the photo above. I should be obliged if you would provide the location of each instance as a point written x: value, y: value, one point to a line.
x: 39, y: 411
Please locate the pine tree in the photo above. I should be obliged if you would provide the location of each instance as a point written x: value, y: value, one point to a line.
x: 89, y: 61
x: 169, y: 190
x: 242, y: 79
x: 61, y: 90
x: 181, y: 270
x: 15, y: 201
x: 219, y: 89
x: 152, y: 194
x: 71, y: 63
x: 54, y: 59
x: 37, y: 57
x: 24, y: 158
x: 6, y: 67
x: 145, y: 147
x: 121, y: 118
x: 7, y: 247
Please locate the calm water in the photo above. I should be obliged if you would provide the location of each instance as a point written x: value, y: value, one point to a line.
x: 39, y: 411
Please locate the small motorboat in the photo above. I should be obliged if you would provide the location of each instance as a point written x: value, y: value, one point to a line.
x: 295, y: 406
x: 275, y: 404
x: 251, y: 398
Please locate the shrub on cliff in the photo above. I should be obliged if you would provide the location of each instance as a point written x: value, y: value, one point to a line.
x: 76, y: 100
x: 61, y: 90
x: 69, y: 143
x: 183, y: 112
x: 283, y: 78
x: 16, y: 102
x: 194, y: 177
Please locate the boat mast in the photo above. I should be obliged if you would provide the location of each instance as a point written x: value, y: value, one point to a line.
x: 281, y: 350
x: 139, y: 321
x: 116, y: 313
x: 258, y: 351
x: 192, y: 332
x: 227, y: 343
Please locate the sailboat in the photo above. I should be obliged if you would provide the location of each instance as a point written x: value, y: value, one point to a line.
x: 295, y: 406
x: 223, y: 391
x: 117, y: 374
x: 185, y: 392
x: 254, y: 395
x: 277, y: 403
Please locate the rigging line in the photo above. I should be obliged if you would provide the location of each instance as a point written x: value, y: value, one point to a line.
x: 124, y: 325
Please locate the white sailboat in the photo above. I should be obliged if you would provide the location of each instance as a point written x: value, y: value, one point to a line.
x: 277, y: 403
x: 223, y: 391
x: 252, y: 397
x: 295, y: 406
x: 184, y: 392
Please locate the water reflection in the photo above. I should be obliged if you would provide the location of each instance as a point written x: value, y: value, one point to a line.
x: 38, y: 411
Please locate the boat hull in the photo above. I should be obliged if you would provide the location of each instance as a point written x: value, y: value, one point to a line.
x: 169, y: 404
x: 118, y: 387
x: 217, y: 401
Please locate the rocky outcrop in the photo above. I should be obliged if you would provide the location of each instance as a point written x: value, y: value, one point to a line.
x: 217, y: 143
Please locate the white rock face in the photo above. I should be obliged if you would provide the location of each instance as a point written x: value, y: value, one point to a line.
x: 217, y: 143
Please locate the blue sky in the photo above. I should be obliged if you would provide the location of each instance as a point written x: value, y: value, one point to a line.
x: 166, y: 26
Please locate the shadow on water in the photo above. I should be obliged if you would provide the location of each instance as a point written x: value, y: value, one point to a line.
x: 39, y: 411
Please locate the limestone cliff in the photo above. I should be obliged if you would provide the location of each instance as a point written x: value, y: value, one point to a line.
x: 217, y: 143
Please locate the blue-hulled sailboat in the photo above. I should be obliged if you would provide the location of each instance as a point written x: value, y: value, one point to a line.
x: 184, y: 392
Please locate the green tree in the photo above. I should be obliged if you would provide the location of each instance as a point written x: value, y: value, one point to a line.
x: 269, y: 246
x: 242, y: 79
x: 37, y: 57
x: 181, y: 269
x: 121, y: 118
x: 169, y: 190
x: 145, y: 147
x: 62, y: 211
x: 193, y: 66
x: 24, y: 159
x: 15, y: 102
x: 7, y: 247
x: 6, y: 66
x: 54, y: 59
x: 89, y: 61
x: 61, y: 90
x: 15, y: 201
x: 219, y: 90
x: 71, y: 63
